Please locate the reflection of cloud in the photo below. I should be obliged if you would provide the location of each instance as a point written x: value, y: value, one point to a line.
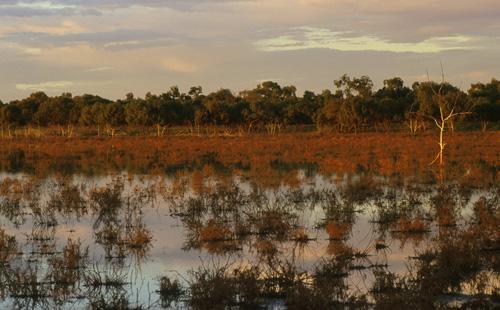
x: 45, y: 86
x: 179, y: 65
x: 311, y: 38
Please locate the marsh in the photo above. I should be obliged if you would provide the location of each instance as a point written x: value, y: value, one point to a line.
x: 210, y: 235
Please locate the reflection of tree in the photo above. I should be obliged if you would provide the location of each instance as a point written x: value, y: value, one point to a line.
x: 266, y: 233
x: 66, y: 198
x: 8, y: 247
x: 437, y: 274
x: 225, y: 284
x: 16, y: 196
x: 446, y: 206
x: 118, y: 224
x: 66, y: 270
x: 30, y: 285
x: 220, y: 220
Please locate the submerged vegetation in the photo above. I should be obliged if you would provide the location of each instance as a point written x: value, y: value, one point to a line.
x: 373, y: 235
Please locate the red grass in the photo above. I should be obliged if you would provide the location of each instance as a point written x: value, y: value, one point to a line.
x: 339, y: 153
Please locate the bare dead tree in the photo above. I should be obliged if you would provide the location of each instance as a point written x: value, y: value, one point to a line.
x: 415, y: 120
x: 444, y: 116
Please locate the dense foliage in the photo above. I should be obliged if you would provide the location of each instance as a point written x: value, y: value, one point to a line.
x: 352, y: 105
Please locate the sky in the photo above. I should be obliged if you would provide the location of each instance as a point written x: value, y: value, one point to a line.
x: 113, y: 47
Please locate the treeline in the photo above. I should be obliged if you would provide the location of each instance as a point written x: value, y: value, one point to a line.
x: 352, y: 105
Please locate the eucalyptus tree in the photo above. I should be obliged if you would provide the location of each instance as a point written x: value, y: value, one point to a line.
x: 357, y: 96
x: 302, y: 110
x: 393, y: 102
x: 215, y: 108
x: 268, y: 104
x: 485, y: 100
x: 30, y: 105
x: 10, y: 116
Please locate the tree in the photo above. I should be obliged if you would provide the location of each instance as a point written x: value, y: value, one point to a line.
x: 452, y: 99
x: 112, y: 115
x: 109, y: 115
x: 29, y: 106
x: 267, y: 104
x: 138, y: 112
x: 357, y: 95
x: 447, y: 105
x: 301, y: 111
x: 352, y: 87
x: 54, y: 111
x: 83, y: 112
x: 485, y: 100
x: 351, y: 104
x: 10, y: 115
x: 393, y: 102
x: 216, y: 108
x: 172, y: 109
x: 330, y: 111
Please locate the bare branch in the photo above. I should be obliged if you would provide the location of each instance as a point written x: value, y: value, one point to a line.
x: 456, y: 99
x: 434, y: 119
x: 442, y: 73
x: 450, y: 115
x: 441, y: 112
x: 456, y: 114
x: 435, y: 159
x: 440, y: 94
x: 430, y: 84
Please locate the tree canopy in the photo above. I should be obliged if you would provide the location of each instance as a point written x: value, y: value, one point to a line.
x: 351, y: 104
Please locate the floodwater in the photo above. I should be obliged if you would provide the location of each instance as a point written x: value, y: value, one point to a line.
x: 208, y: 239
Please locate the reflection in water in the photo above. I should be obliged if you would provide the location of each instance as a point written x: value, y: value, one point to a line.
x: 209, y: 240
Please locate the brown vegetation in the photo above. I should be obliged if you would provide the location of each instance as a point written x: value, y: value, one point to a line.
x: 387, y: 153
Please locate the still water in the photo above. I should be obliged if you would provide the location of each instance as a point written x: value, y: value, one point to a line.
x: 207, y: 239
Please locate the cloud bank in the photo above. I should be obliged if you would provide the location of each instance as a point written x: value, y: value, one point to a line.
x: 112, y: 47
